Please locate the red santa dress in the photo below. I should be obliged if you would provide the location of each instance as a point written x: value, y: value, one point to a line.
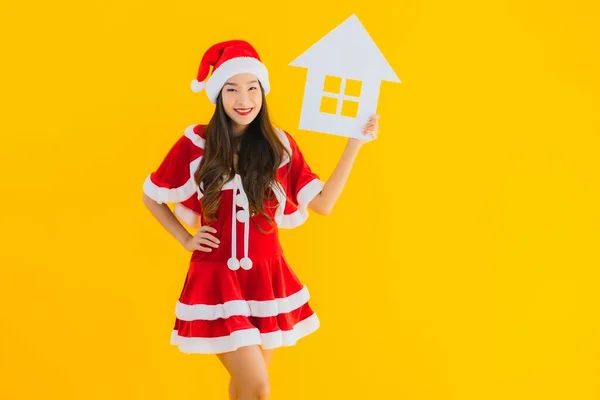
x: 243, y: 293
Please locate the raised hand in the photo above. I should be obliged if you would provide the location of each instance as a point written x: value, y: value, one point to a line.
x: 372, y: 127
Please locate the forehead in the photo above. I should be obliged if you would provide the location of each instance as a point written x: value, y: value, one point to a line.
x: 242, y: 79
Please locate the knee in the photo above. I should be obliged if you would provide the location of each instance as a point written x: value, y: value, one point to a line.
x: 259, y: 390
x: 264, y: 391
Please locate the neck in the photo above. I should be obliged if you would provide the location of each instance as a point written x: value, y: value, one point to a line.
x: 238, y: 130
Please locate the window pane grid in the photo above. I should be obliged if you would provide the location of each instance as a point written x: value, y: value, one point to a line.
x: 338, y: 102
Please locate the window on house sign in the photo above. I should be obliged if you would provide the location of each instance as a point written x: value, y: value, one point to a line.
x: 340, y: 96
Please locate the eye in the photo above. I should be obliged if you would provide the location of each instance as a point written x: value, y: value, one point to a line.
x: 253, y: 88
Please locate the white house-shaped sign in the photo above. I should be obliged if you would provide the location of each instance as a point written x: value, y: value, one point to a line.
x: 345, y: 70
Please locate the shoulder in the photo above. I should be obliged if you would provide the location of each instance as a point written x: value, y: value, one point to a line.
x: 196, y: 135
x: 189, y: 145
x: 288, y: 141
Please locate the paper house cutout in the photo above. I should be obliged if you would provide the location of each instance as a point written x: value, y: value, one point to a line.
x: 344, y: 73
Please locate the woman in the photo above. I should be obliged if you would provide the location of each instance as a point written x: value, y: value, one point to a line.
x: 238, y: 179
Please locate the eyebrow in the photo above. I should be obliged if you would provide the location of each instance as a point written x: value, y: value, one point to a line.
x: 235, y: 84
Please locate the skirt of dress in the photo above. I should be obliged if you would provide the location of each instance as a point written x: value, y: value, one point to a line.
x: 220, y: 310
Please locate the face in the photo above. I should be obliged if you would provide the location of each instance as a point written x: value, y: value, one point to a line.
x: 242, y: 99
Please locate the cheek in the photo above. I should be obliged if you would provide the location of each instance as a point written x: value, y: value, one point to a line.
x: 228, y: 100
x: 228, y: 105
x: 257, y: 99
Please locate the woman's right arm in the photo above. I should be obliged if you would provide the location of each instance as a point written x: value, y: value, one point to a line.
x: 167, y: 219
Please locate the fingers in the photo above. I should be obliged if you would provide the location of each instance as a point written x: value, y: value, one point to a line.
x: 202, y: 233
x: 202, y: 248
x: 193, y: 245
x: 203, y: 244
x: 206, y: 228
x: 206, y: 242
x: 209, y: 237
x: 372, y: 127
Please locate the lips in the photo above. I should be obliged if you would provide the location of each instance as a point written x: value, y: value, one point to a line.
x: 243, y: 111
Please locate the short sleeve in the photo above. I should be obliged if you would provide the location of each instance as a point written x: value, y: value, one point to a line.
x: 301, y: 185
x: 172, y: 180
x: 189, y: 212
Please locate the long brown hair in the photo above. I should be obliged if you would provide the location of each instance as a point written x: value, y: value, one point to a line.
x: 260, y: 153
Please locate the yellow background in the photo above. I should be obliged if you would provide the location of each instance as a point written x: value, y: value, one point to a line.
x: 460, y: 263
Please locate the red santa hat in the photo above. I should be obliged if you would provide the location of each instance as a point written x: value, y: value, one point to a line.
x: 227, y: 59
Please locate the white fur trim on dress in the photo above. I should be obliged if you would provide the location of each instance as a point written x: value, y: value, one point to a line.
x: 232, y: 67
x: 246, y: 337
x: 286, y: 143
x: 255, y: 308
x: 169, y: 195
x: 190, y: 217
x: 185, y: 191
x: 197, y: 140
x: 305, y: 195
x: 173, y: 195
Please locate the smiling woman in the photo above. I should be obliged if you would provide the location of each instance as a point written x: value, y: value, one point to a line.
x: 239, y: 179
x: 242, y: 100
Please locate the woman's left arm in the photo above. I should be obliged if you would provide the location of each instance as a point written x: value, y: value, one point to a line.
x: 324, y: 202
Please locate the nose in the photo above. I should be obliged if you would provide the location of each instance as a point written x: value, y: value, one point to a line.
x: 242, y: 97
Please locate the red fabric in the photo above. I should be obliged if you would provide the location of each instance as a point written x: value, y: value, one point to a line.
x: 213, y: 283
x: 209, y: 281
x: 174, y: 170
x: 300, y: 174
x: 223, y: 327
x: 221, y: 52
x: 262, y: 245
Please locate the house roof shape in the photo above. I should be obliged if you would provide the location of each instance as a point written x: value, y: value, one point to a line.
x: 349, y: 51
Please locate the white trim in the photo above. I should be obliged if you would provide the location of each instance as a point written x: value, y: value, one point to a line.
x: 281, y: 338
x: 286, y: 143
x: 190, y: 217
x: 255, y: 308
x: 237, y: 339
x: 199, y: 194
x: 309, y: 192
x: 305, y: 196
x: 232, y: 67
x: 280, y: 194
x: 173, y: 195
x: 293, y: 220
x: 200, y: 142
x: 185, y: 191
x: 196, y: 139
x: 166, y: 195
x: 246, y: 337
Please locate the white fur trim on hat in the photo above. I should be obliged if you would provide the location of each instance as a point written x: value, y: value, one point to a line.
x: 197, y: 86
x: 232, y: 67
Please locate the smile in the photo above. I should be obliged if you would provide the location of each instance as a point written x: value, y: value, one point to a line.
x: 243, y: 111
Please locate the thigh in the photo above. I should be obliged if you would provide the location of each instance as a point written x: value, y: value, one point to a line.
x: 246, y: 366
x: 267, y: 356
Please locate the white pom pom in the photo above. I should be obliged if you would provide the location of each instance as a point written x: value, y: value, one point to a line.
x: 246, y: 263
x: 240, y: 200
x: 233, y: 264
x: 197, y: 86
x: 242, y: 215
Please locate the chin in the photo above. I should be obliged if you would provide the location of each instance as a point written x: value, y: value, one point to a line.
x: 243, y: 121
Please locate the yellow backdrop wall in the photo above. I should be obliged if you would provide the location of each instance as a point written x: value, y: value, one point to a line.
x: 460, y: 263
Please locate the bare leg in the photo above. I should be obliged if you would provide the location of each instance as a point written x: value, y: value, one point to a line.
x: 267, y: 355
x: 248, y: 372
